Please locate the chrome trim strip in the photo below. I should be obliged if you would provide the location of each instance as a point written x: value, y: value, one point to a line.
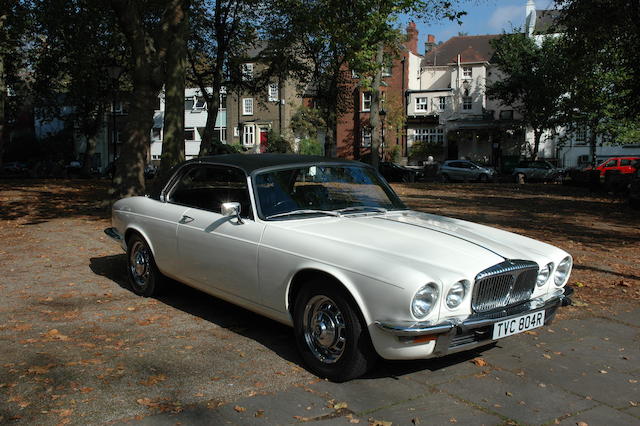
x: 408, y: 328
x: 113, y: 234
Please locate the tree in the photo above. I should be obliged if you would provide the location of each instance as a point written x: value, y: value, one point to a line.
x: 600, y: 40
x: 531, y: 80
x: 221, y: 31
x: 148, y: 29
x: 69, y: 70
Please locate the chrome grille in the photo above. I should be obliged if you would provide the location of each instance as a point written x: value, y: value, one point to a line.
x: 504, y: 284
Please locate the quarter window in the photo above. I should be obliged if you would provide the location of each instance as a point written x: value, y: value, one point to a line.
x: 208, y: 187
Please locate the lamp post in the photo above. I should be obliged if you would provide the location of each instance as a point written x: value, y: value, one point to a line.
x: 382, y: 113
x: 114, y: 71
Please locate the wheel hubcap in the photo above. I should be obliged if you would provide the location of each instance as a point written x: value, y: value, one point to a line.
x: 324, y: 329
x: 139, y: 262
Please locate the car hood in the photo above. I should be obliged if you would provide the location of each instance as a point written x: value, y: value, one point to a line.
x: 410, y: 240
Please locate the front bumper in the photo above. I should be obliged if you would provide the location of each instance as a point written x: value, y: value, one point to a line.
x: 454, y: 335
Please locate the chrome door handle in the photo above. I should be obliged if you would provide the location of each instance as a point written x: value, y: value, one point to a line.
x: 186, y: 219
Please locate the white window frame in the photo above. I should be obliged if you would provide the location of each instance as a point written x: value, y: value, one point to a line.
x: 442, y: 103
x: 467, y: 103
x: 429, y: 134
x: 273, y: 92
x: 247, y: 106
x: 236, y: 132
x: 195, y: 103
x: 365, y: 140
x: 581, y: 134
x: 366, y: 101
x: 153, y: 137
x: 247, y: 71
x: 249, y: 136
x: 421, y: 103
x: 467, y: 72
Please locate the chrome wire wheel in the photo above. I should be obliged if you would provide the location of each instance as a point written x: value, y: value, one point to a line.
x: 324, y: 329
x: 140, y: 264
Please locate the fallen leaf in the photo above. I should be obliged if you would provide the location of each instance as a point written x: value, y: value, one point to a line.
x: 239, y: 409
x: 453, y: 420
x: 479, y: 362
x: 582, y: 424
x: 154, y: 380
x: 340, y: 405
x: 259, y: 413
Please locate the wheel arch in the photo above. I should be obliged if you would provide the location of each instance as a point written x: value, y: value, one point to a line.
x: 308, y: 274
x: 131, y: 230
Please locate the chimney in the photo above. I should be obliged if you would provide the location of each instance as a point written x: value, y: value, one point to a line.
x: 430, y: 44
x: 412, y: 38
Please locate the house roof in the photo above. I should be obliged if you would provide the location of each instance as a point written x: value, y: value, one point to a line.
x: 546, y: 21
x: 470, y: 49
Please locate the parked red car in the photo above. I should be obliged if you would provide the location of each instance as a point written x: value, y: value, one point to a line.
x: 623, y: 164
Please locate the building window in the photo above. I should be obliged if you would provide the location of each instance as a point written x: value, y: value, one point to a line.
x: 247, y: 72
x: 188, y: 104
x: 421, y: 104
x: 466, y: 103
x: 581, y: 134
x: 222, y: 134
x: 442, y: 103
x: 273, y: 92
x: 366, y: 101
x: 157, y: 104
x: 366, y: 137
x: 247, y: 106
x: 236, y: 132
x: 466, y: 72
x: 155, y: 157
x: 156, y: 134
x: 189, y: 134
x: 201, y: 103
x: 387, y: 71
x: 430, y: 135
x: 121, y: 108
x: 506, y: 114
x: 248, y: 137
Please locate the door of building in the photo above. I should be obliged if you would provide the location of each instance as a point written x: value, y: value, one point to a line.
x: 263, y: 140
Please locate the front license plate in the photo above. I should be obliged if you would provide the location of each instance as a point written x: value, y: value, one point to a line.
x: 518, y: 324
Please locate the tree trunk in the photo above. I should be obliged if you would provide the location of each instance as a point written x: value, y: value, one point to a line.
x: 173, y: 145
x: 537, y: 134
x: 374, y: 117
x: 3, y: 97
x: 89, y: 151
x: 592, y: 145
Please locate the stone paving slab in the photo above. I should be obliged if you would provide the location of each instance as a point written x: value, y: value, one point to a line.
x: 517, y: 398
x: 601, y: 415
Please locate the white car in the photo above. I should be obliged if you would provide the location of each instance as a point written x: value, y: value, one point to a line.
x: 327, y: 247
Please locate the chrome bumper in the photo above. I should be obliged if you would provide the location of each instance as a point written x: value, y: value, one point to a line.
x: 113, y: 233
x: 477, y: 330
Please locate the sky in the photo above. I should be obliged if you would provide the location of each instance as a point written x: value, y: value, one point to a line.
x: 483, y: 17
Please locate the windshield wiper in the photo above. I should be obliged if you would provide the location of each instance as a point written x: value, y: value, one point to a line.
x: 362, y: 208
x: 306, y: 211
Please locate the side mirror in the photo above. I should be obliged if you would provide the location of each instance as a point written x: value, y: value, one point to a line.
x: 231, y: 209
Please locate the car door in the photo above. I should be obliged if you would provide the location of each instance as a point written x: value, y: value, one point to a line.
x: 218, y: 253
x: 455, y: 170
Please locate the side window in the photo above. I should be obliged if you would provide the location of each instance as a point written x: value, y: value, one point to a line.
x: 625, y: 162
x: 208, y: 187
x: 612, y: 163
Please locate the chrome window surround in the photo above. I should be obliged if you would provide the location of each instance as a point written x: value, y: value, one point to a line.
x: 502, y: 285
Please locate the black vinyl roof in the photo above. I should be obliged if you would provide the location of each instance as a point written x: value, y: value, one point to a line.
x: 252, y: 162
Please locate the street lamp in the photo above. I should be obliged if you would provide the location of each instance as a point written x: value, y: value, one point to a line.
x: 114, y: 71
x: 382, y: 114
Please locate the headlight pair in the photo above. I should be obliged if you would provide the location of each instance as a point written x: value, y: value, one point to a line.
x: 560, y: 276
x: 427, y: 297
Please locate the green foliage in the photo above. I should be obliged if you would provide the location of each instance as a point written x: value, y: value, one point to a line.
x: 307, y: 121
x: 393, y: 153
x: 309, y: 146
x: 277, y: 143
x: 219, y: 148
x: 421, y: 150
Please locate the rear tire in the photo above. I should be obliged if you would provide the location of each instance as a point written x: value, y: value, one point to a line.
x: 332, y: 339
x: 144, y: 277
x: 483, y: 178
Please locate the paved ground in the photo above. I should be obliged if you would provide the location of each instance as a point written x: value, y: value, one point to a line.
x: 77, y: 347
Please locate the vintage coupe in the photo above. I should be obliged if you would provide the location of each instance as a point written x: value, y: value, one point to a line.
x: 327, y: 247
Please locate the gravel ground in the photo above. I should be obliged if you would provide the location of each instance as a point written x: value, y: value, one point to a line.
x: 76, y: 346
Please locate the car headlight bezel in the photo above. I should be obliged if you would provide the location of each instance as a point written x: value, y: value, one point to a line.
x: 562, y: 272
x: 544, y: 274
x: 424, y: 300
x: 457, y: 294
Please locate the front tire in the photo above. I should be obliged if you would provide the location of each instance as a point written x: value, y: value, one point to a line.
x: 331, y: 337
x: 144, y: 276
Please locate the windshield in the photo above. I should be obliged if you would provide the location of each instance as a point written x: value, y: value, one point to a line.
x: 323, y: 190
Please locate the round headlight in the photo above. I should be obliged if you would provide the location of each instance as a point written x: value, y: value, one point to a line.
x: 424, y: 300
x: 543, y: 275
x: 456, y: 294
x: 562, y: 271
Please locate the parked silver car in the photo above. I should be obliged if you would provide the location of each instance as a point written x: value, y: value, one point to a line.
x: 465, y: 170
x: 537, y: 171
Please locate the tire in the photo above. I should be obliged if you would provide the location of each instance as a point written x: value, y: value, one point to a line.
x: 337, y: 346
x: 408, y: 178
x: 444, y: 178
x: 144, y: 277
x: 483, y: 178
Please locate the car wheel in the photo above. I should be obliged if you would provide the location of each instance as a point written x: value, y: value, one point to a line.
x: 444, y: 177
x: 330, y: 335
x: 483, y: 178
x: 408, y: 178
x: 144, y: 276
